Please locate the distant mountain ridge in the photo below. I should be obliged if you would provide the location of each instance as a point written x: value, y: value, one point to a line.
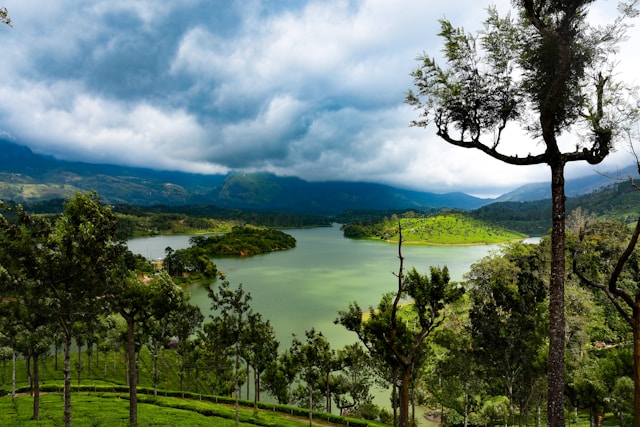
x: 573, y: 187
x: 29, y: 177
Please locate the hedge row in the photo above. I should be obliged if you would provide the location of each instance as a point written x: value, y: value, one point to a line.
x: 147, y: 397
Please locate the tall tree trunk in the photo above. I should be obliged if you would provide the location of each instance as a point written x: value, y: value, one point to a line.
x: 182, y: 363
x: 133, y: 380
x: 636, y: 364
x: 310, y: 404
x: 79, y: 362
x: 327, y: 395
x: 13, y: 375
x: 27, y: 361
x: 36, y: 388
x: 256, y: 388
x: 67, y: 379
x: 237, y: 383
x: 89, y: 354
x: 555, y: 402
x: 394, y: 400
x: 404, y: 396
x: 156, y: 371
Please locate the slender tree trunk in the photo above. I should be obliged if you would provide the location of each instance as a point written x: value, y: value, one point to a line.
x: 66, y: 368
x: 27, y: 361
x: 404, y: 397
x: 36, y: 388
x: 133, y: 380
x: 156, y: 372
x: 237, y: 384
x: 256, y: 388
x: 327, y: 395
x: 79, y: 362
x: 555, y: 400
x: 13, y: 375
x: 4, y: 372
x: 636, y: 364
x: 466, y: 409
x: 182, y: 363
x: 89, y: 354
x: 310, y: 404
x: 394, y: 400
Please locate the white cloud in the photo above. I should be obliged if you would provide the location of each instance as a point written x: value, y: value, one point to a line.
x: 313, y: 89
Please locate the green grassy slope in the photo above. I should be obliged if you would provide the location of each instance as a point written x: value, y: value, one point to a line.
x: 445, y: 228
x: 101, y: 397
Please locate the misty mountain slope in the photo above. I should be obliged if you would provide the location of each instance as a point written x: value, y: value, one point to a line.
x: 28, y: 177
x: 573, y: 187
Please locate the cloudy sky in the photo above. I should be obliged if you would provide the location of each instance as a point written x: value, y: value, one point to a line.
x: 312, y: 88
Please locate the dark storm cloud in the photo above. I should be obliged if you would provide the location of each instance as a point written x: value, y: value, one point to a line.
x: 307, y: 88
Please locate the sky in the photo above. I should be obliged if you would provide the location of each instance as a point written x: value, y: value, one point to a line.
x: 307, y: 88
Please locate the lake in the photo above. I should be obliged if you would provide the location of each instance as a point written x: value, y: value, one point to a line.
x: 304, y: 287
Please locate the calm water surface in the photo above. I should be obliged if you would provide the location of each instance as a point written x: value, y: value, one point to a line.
x: 304, y: 287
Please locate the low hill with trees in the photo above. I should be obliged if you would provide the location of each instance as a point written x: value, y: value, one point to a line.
x: 445, y: 228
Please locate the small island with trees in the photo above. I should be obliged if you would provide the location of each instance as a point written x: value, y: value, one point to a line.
x: 240, y: 241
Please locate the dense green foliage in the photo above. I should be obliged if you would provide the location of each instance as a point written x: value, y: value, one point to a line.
x: 446, y: 228
x: 245, y: 241
x: 240, y: 241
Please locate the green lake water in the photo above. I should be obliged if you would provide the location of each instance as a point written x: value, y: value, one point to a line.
x: 306, y: 286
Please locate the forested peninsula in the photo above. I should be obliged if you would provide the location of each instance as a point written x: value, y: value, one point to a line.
x: 443, y: 228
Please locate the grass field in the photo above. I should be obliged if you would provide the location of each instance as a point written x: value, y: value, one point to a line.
x: 112, y: 410
x: 106, y: 408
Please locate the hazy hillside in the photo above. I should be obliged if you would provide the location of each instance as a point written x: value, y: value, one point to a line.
x: 29, y: 177
x: 619, y: 200
x: 573, y: 187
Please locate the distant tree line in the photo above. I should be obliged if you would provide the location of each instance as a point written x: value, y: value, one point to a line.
x: 137, y: 221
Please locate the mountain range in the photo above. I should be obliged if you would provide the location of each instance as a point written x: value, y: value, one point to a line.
x: 27, y: 177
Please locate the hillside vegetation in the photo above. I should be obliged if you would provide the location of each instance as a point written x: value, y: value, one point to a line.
x: 445, y: 228
x: 619, y: 201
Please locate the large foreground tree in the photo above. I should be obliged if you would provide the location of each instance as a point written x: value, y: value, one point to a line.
x: 549, y: 70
